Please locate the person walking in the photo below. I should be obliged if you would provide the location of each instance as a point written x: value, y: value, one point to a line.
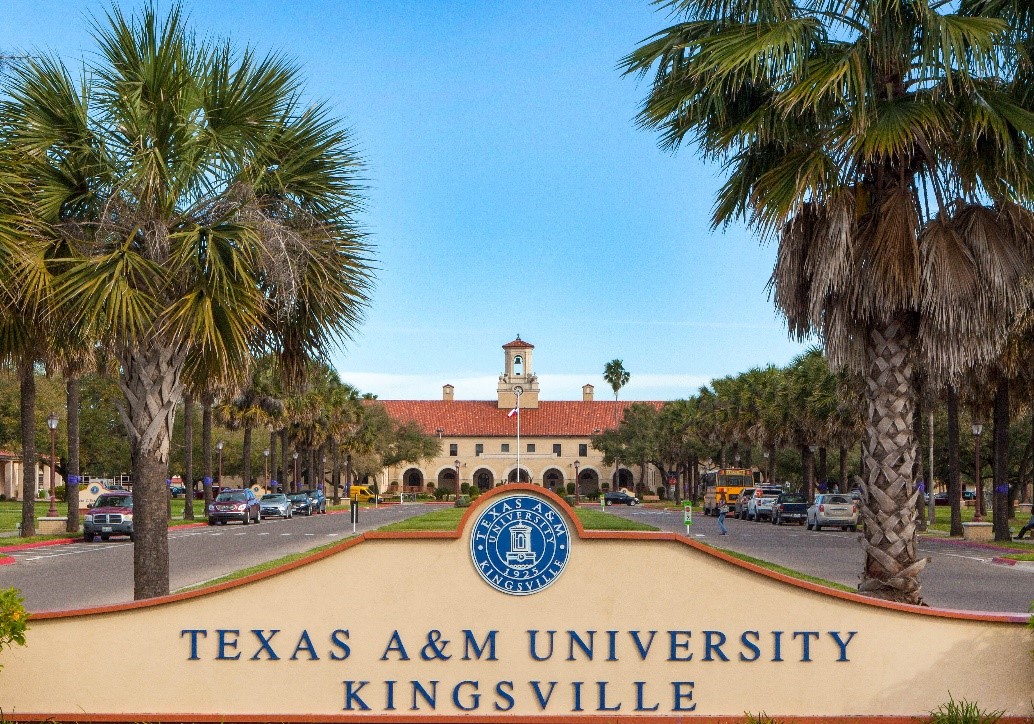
x: 723, y: 510
x: 1028, y: 527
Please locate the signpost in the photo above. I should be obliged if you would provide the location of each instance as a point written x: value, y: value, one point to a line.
x: 355, y: 512
x: 687, y: 516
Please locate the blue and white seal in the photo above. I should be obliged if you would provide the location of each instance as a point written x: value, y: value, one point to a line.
x: 520, y: 544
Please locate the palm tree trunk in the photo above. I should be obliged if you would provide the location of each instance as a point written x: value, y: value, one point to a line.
x: 72, y: 474
x: 1000, y: 496
x: 954, y: 479
x: 150, y: 382
x: 823, y: 471
x: 29, y: 464
x: 889, y: 500
x: 348, y: 475
x: 285, y: 459
x: 246, y: 452
x: 771, y: 472
x: 917, y: 467
x: 843, y: 469
x: 272, y: 461
x: 206, y: 448
x: 335, y: 475
x: 188, y: 456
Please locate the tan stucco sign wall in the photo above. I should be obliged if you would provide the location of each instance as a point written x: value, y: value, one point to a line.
x: 635, y: 625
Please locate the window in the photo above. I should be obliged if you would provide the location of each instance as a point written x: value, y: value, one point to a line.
x: 505, y: 447
x: 453, y: 449
x: 556, y: 449
x: 531, y: 447
x: 479, y: 448
x: 583, y: 450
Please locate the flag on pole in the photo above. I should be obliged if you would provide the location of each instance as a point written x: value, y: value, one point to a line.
x: 512, y: 412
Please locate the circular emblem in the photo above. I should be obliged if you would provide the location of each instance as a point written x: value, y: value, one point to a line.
x: 518, y: 390
x: 520, y: 544
x: 94, y: 489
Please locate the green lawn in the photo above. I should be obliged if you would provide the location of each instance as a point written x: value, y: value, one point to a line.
x: 449, y: 518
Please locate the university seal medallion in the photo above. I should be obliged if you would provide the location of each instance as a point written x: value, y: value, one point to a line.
x: 520, y: 544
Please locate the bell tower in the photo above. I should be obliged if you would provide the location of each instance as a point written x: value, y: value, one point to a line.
x: 518, y: 373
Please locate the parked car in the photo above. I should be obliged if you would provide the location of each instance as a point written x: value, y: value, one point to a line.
x: 833, y: 509
x: 363, y: 494
x: 111, y: 514
x: 969, y: 495
x: 301, y: 503
x: 619, y: 497
x: 940, y: 499
x: 177, y: 491
x: 759, y: 504
x: 276, y: 504
x: 789, y: 508
x: 319, y: 500
x: 233, y: 504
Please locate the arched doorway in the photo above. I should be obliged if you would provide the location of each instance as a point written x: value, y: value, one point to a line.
x: 413, y: 481
x: 623, y: 478
x: 588, y: 482
x: 484, y: 478
x: 447, y: 480
x: 554, y: 480
x: 525, y: 476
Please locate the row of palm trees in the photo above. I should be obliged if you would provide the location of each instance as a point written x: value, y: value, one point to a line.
x: 177, y: 208
x: 886, y: 145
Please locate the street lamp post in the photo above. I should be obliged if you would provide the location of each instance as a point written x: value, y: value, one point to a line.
x: 294, y: 485
x: 457, y: 464
x: 576, y: 464
x: 768, y: 471
x: 265, y: 454
x: 219, y: 477
x: 52, y: 424
x: 323, y: 473
x: 979, y: 515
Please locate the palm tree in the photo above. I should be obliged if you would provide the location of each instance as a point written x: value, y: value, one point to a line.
x: 846, y: 128
x: 218, y: 223
x: 617, y: 377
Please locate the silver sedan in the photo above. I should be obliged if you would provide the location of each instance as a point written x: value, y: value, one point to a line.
x: 833, y: 510
x: 276, y: 504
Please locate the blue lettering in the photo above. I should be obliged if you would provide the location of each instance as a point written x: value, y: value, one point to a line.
x: 643, y: 651
x: 506, y: 695
x: 577, y: 686
x: 806, y: 641
x: 389, y: 697
x: 194, y: 633
x: 639, y: 706
x: 602, y: 686
x: 681, y: 693
x: 675, y: 645
x: 776, y: 650
x: 352, y: 696
x: 429, y: 698
x: 475, y: 698
x: 842, y: 644
x: 573, y: 639
x: 716, y: 647
x: 543, y: 700
x: 264, y: 644
x: 227, y: 643
x: 395, y: 644
x: 305, y: 644
x: 612, y: 645
x: 469, y: 642
x: 752, y: 645
x: 337, y: 640
x: 534, y: 654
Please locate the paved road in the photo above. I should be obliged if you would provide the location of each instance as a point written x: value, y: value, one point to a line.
x: 959, y: 576
x: 78, y: 575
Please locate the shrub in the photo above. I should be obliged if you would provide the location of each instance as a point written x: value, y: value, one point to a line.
x: 462, y: 501
x: 13, y: 619
x: 963, y: 712
x: 59, y: 493
x: 570, y: 488
x: 605, y: 487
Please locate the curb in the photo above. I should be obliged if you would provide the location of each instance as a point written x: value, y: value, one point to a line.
x: 1004, y: 561
x: 6, y: 560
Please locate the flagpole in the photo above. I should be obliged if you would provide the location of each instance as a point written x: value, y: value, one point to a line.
x: 517, y: 391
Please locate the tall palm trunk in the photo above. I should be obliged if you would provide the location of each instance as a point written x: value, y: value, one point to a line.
x: 188, y: 456
x: 1000, y: 497
x: 29, y: 464
x: 246, y: 452
x: 954, y: 479
x: 72, y: 401
x: 843, y: 469
x: 287, y: 473
x: 808, y: 472
x: 150, y: 382
x: 348, y: 475
x: 822, y: 475
x: 889, y: 500
x: 335, y: 475
x: 206, y: 448
x: 272, y: 461
x: 917, y: 466
x: 771, y: 472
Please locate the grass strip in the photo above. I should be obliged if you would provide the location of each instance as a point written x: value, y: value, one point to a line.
x: 787, y: 571
x: 245, y: 572
x: 449, y: 518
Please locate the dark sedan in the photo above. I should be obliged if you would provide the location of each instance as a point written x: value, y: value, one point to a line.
x: 302, y: 503
x: 242, y: 505
x: 620, y: 497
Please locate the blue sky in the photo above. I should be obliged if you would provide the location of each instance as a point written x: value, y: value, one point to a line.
x: 509, y: 192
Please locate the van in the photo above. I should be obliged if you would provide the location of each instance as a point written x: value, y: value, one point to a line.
x: 363, y: 494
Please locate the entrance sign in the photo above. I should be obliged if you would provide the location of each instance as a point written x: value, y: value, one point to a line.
x: 405, y: 627
x: 520, y: 544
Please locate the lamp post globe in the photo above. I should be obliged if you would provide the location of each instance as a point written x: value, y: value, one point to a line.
x: 265, y: 454
x: 52, y: 424
x: 219, y: 448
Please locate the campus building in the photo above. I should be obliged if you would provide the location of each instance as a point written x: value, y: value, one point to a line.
x: 479, y: 437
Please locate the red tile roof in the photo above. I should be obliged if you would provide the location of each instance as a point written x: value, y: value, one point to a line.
x: 519, y: 343
x: 483, y: 418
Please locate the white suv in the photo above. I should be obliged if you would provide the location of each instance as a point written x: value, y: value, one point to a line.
x: 760, y: 505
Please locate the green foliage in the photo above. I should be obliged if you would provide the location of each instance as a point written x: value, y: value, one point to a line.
x: 462, y: 501
x: 13, y: 619
x: 963, y: 712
